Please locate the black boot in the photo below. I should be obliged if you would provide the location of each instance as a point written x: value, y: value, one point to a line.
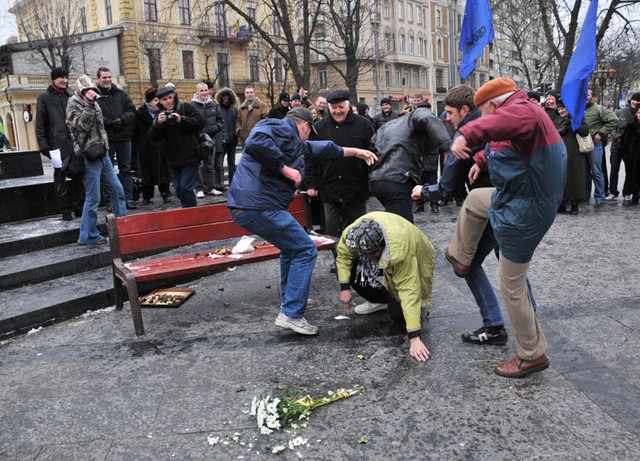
x: 634, y: 199
x: 562, y: 209
x: 574, y: 210
x: 434, y: 207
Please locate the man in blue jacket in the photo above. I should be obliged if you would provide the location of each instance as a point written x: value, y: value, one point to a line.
x: 265, y: 181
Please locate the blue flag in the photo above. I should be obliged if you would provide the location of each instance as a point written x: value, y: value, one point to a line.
x: 582, y: 64
x: 476, y: 33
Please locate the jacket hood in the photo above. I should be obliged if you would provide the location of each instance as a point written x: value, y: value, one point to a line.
x: 233, y: 99
x: 84, y: 83
x: 197, y: 100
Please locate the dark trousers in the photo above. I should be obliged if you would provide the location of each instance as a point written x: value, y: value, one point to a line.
x: 230, y: 152
x: 377, y: 294
x: 395, y: 197
x: 339, y: 215
x: 70, y: 191
x: 616, y: 160
x: 184, y: 182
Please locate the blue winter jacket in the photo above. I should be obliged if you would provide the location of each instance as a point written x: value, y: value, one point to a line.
x: 258, y: 183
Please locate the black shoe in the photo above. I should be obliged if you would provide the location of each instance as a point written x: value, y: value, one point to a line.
x: 443, y: 202
x: 485, y: 336
x: 562, y: 209
x: 131, y: 206
x: 634, y: 199
x: 574, y: 210
x: 146, y: 201
x: 67, y: 216
x: 459, y: 201
x: 418, y: 207
x: 165, y: 197
x: 435, y: 208
x: 78, y: 213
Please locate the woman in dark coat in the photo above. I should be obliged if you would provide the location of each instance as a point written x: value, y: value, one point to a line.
x: 574, y: 186
x: 152, y: 163
x: 631, y: 148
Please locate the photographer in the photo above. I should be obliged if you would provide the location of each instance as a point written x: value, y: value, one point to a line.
x: 178, y: 125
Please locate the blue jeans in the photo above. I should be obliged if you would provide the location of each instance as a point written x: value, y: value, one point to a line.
x: 123, y: 151
x: 184, y: 182
x: 298, y: 253
x: 594, y: 171
x: 480, y: 286
x: 96, y: 171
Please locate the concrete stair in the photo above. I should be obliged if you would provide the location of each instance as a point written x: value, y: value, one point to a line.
x: 45, y: 275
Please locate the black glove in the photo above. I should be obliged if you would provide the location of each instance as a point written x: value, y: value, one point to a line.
x: 45, y: 152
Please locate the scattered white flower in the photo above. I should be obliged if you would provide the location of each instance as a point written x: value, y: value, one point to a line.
x: 212, y: 440
x: 297, y: 442
x: 34, y: 330
x: 278, y: 449
x: 236, y: 437
x: 98, y: 312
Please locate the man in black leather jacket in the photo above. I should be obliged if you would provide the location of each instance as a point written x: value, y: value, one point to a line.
x: 406, y: 147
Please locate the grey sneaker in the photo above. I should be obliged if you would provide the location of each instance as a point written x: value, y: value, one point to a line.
x: 611, y: 197
x: 369, y: 308
x: 298, y: 325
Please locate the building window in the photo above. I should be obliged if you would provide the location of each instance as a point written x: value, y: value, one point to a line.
x: 187, y: 64
x: 401, y: 43
x: 254, y: 75
x: 387, y: 74
x: 439, y: 78
x: 275, y: 26
x: 439, y: 46
x: 409, y: 12
x: 438, y: 18
x: 491, y: 64
x: 251, y: 12
x: 418, y: 15
x: 482, y: 79
x: 398, y: 78
x: 416, y: 78
x: 421, y: 46
x: 412, y: 47
x: 385, y: 8
x: 400, y: 10
x: 322, y: 78
x: 424, y: 79
x: 405, y: 80
x: 223, y: 69
x: 155, y: 64
x: 184, y: 12
x: 83, y: 20
x: 150, y: 11
x: 460, y: 24
x: 277, y: 67
x: 320, y: 46
x: 221, y: 20
x: 387, y: 42
x: 109, y: 11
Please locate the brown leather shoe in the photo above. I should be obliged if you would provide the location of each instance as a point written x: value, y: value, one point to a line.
x: 458, y: 268
x: 519, y: 368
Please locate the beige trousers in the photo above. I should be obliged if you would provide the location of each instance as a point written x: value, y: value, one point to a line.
x: 473, y: 218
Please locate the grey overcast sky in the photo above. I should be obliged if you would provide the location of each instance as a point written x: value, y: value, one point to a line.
x: 7, y: 21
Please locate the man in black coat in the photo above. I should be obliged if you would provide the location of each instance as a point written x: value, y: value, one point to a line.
x: 53, y: 134
x: 282, y: 107
x: 177, y: 127
x: 343, y: 185
x: 119, y: 113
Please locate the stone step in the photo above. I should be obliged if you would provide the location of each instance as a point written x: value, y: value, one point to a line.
x: 55, y: 300
x: 51, y: 263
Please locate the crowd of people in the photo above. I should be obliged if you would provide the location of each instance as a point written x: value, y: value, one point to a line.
x: 515, y: 158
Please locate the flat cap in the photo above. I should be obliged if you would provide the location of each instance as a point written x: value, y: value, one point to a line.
x: 296, y: 96
x: 493, y: 89
x: 302, y: 113
x: 165, y: 90
x: 337, y: 96
x: 284, y: 96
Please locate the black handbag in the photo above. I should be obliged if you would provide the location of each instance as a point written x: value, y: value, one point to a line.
x: 95, y: 152
x: 73, y: 165
x: 205, y: 146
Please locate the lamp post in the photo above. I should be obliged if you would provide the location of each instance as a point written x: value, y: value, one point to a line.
x: 601, y: 75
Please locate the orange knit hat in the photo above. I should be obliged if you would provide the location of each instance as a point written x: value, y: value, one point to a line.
x: 492, y: 89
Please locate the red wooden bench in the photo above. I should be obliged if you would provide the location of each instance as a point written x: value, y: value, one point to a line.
x: 159, y: 230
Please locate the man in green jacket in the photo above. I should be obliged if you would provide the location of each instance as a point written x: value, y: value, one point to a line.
x: 386, y: 242
x: 601, y: 122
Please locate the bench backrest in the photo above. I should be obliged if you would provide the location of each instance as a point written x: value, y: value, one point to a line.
x: 185, y: 226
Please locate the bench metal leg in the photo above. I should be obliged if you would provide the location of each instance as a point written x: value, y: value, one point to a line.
x: 118, y: 292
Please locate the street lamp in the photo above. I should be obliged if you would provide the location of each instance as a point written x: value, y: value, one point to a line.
x: 601, y: 75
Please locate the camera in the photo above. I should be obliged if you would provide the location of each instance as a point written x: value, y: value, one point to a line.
x: 169, y: 114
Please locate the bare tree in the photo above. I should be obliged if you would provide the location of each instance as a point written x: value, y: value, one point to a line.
x: 519, y: 26
x: 52, y: 28
x: 561, y: 22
